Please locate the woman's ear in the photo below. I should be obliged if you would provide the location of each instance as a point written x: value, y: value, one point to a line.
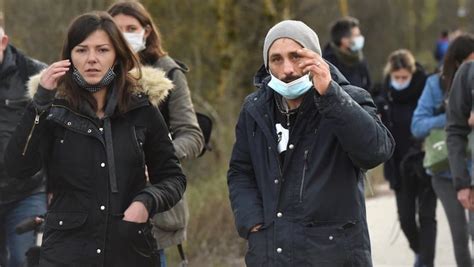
x: 147, y: 31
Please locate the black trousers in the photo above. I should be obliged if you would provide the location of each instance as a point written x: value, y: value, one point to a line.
x: 416, y: 203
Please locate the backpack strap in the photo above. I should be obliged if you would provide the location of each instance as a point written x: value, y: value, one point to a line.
x: 182, y: 255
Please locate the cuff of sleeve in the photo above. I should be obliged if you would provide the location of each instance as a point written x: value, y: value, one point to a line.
x: 461, y: 183
x: 148, y: 201
x: 328, y: 101
x: 43, y: 98
x: 244, y: 230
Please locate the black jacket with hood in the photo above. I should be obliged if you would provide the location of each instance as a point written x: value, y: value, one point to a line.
x: 96, y: 169
x: 312, y: 208
x: 14, y: 73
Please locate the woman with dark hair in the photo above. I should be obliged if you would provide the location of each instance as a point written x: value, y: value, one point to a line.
x: 94, y: 125
x: 416, y: 200
x: 143, y: 35
x: 430, y: 114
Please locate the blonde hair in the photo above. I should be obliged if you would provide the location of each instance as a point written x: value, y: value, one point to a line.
x: 400, y: 59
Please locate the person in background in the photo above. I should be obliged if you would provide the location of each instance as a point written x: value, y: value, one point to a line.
x: 404, y: 80
x: 95, y: 126
x: 345, y: 52
x: 303, y: 141
x: 459, y: 124
x: 441, y: 47
x: 144, y: 37
x: 429, y: 114
x: 19, y: 199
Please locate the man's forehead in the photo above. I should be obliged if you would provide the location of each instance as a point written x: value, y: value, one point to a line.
x: 284, y: 45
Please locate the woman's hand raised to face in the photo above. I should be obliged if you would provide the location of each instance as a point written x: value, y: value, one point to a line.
x: 49, y: 78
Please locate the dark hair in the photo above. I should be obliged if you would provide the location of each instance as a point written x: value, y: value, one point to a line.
x: 342, y: 28
x: 154, y: 49
x: 400, y: 59
x: 81, y: 28
x: 444, y: 33
x: 459, y: 49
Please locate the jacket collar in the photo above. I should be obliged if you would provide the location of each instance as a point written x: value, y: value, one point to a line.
x: 9, y: 62
x: 154, y: 87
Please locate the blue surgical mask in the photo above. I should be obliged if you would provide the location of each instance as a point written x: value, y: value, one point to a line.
x: 400, y: 86
x: 358, y: 43
x: 291, y: 90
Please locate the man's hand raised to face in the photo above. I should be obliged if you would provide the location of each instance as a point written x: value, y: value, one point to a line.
x: 318, y: 69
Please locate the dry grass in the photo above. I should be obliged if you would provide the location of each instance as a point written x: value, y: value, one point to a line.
x: 212, y: 237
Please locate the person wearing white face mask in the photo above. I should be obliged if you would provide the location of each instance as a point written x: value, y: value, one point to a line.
x: 303, y: 141
x: 136, y: 40
x: 135, y: 22
x: 404, y: 80
x: 345, y: 52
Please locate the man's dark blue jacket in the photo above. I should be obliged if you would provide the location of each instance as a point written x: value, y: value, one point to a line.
x: 312, y: 207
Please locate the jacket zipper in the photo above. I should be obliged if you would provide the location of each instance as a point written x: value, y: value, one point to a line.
x: 36, y: 122
x: 305, y: 166
x: 15, y: 101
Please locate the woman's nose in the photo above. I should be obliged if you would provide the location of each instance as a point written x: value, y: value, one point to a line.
x: 91, y: 57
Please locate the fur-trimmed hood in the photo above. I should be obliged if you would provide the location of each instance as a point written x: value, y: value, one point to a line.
x: 153, y: 83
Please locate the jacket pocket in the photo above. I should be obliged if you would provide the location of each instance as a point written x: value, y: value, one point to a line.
x: 138, y: 236
x: 257, y: 249
x: 303, y: 176
x: 327, y: 243
x: 65, y: 220
x: 62, y: 232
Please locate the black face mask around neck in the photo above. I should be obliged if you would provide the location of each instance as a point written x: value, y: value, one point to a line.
x: 105, y: 81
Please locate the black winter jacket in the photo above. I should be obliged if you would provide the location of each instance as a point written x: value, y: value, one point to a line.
x: 396, y: 108
x: 312, y: 208
x: 14, y: 73
x: 84, y: 225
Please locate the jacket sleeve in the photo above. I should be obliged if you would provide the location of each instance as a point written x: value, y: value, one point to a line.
x: 168, y: 182
x: 355, y: 122
x: 188, y: 140
x: 368, y: 80
x: 245, y: 197
x: 457, y: 128
x: 25, y: 154
x: 424, y: 118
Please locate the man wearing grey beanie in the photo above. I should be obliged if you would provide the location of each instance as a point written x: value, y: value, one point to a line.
x: 303, y: 141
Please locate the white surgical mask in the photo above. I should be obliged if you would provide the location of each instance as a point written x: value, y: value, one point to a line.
x: 358, y: 43
x: 291, y: 90
x: 136, y: 40
x: 400, y: 86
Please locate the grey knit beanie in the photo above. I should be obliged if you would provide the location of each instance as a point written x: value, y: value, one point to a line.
x: 292, y: 29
